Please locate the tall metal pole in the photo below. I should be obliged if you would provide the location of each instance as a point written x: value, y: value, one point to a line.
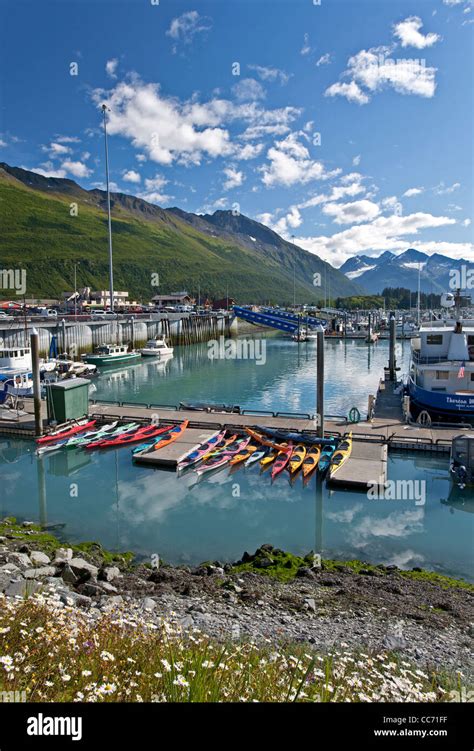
x: 75, y: 291
x: 320, y: 383
x: 34, y: 341
x: 419, y: 293
x: 111, y: 269
x: 294, y: 274
x: 392, y: 363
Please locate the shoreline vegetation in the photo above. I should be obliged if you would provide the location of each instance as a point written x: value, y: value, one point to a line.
x: 272, y: 627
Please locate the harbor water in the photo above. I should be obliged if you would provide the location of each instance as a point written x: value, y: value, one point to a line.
x: 102, y: 496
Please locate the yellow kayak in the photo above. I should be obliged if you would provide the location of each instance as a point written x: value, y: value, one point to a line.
x: 341, y: 455
x: 267, y: 460
x: 246, y: 454
x: 297, y: 458
x: 311, y: 460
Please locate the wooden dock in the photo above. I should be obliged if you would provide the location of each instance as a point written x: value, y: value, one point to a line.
x: 371, y: 439
x: 366, y: 467
x: 170, y: 456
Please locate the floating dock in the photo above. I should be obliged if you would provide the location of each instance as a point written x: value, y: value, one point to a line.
x: 366, y: 467
x: 170, y: 456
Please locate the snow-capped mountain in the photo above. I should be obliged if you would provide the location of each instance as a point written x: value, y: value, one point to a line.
x: 389, y: 270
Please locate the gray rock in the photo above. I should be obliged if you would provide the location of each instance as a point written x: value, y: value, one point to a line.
x: 108, y: 587
x: 109, y: 573
x: 2, y: 540
x: 110, y: 602
x: 68, y: 575
x: 148, y: 604
x: 9, y: 567
x: 73, y: 598
x: 36, y: 573
x: 28, y: 524
x: 5, y: 579
x: 62, y: 554
x: 305, y: 572
x: 81, y: 567
x: 39, y: 559
x: 186, y: 622
x: 22, y: 588
x: 392, y: 641
x: 310, y: 604
x: 21, y: 559
x: 92, y: 590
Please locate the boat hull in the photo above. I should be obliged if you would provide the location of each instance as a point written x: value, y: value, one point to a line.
x: 103, y: 360
x: 436, y: 403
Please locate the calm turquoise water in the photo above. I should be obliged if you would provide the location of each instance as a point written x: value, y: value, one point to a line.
x: 105, y: 497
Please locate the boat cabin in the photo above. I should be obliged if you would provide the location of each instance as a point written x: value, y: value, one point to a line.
x: 443, y: 357
x: 112, y: 350
x: 15, y: 358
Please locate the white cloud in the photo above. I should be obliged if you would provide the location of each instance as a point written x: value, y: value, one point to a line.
x: 167, y: 130
x: 111, y: 67
x: 185, y: 27
x: 352, y: 213
x: 156, y: 183
x: 271, y: 74
x: 384, y: 233
x: 351, y: 91
x: 289, y: 163
x: 78, y: 169
x: 47, y: 170
x: 249, y: 151
x: 306, y: 48
x: 356, y: 160
x: 413, y: 192
x: 56, y: 149
x: 371, y: 71
x: 466, y: 223
x: 408, y: 32
x: 2, y: 143
x: 67, y: 139
x: 140, y: 157
x: 248, y: 89
x: 441, y: 189
x: 324, y: 60
x: 131, y: 176
x: 234, y: 178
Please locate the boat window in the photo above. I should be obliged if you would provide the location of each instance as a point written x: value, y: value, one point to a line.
x: 472, y: 376
x: 442, y: 375
x: 438, y: 388
x: 434, y: 339
x: 470, y: 339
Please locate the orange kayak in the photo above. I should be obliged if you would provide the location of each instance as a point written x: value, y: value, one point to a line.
x: 168, y: 438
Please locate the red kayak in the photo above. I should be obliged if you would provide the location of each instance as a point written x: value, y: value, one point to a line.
x: 282, y: 460
x: 58, y: 435
x: 125, y: 439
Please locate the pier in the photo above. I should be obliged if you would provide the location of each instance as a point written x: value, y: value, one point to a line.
x: 366, y: 466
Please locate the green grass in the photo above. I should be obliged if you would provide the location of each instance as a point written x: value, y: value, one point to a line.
x: 36, y: 537
x: 64, y: 654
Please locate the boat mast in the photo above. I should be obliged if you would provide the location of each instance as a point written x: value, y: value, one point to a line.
x: 111, y: 270
x: 419, y: 293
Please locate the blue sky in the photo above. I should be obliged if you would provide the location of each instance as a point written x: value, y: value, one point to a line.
x: 346, y: 125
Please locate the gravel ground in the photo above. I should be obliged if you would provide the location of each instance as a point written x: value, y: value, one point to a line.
x: 376, y: 608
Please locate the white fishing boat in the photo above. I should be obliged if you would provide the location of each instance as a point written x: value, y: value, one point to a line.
x: 19, y: 383
x: 157, y: 348
x: 13, y: 360
x: 441, y: 378
x: 111, y: 354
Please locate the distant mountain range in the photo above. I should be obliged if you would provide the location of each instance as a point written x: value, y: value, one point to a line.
x: 389, y: 270
x: 218, y: 254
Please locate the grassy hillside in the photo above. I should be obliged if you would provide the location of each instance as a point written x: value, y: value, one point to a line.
x: 40, y: 234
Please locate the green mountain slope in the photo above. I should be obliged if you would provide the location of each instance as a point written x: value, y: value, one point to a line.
x: 40, y: 232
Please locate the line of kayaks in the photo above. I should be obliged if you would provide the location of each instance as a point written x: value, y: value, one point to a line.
x: 111, y: 435
x: 275, y: 449
x: 326, y: 455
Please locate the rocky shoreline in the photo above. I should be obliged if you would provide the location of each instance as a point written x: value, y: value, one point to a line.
x: 269, y: 596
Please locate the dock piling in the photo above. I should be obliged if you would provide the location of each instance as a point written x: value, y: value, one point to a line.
x: 320, y: 383
x: 34, y: 341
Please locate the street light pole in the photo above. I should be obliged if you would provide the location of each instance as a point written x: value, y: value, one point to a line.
x: 111, y: 270
x: 75, y: 290
x: 294, y: 274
